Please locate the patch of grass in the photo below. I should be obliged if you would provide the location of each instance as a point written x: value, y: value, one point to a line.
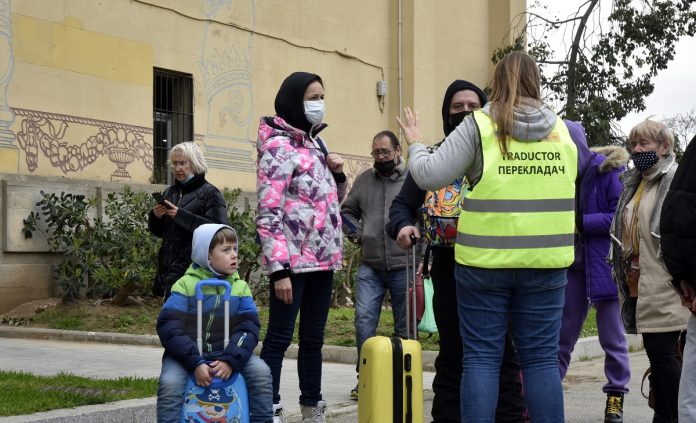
x: 590, y: 326
x: 340, y: 328
x: 100, y: 317
x: 141, y: 320
x: 67, y: 318
x: 24, y: 393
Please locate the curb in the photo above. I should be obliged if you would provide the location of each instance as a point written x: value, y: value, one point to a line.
x: 585, y: 348
x: 331, y: 353
x: 589, y: 348
x: 135, y: 410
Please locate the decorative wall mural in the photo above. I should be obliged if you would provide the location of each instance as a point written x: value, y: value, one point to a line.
x: 225, y: 66
x: 6, y: 67
x: 354, y: 165
x: 45, y: 132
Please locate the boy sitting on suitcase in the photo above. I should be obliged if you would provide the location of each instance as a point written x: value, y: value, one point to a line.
x: 214, y: 256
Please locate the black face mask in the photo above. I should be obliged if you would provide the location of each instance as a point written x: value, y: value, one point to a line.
x: 385, y: 168
x: 456, y: 118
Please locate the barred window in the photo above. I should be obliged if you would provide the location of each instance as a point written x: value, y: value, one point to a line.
x: 172, y: 118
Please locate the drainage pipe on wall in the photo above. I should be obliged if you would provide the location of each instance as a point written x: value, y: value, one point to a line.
x: 399, y: 64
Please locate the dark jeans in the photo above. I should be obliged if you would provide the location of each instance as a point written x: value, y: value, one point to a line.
x: 661, y: 349
x: 311, y: 296
x: 448, y: 364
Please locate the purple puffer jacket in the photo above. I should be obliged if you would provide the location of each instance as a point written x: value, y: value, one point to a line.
x: 598, y: 196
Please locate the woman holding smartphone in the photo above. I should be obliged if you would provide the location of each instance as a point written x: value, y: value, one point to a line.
x: 190, y: 202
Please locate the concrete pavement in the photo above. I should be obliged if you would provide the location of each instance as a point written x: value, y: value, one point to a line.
x: 584, y: 400
x: 96, y: 360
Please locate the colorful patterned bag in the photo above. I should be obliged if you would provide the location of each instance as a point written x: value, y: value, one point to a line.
x: 440, y: 213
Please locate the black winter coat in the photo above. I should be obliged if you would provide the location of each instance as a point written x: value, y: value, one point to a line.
x: 199, y: 202
x: 678, y: 221
x: 405, y: 207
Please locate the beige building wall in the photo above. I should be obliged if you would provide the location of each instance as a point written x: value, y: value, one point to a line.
x: 76, y: 83
x: 78, y: 74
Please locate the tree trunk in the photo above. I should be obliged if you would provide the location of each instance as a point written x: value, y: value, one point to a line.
x: 122, y: 295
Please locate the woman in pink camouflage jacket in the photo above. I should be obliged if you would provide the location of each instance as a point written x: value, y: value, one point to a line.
x: 299, y: 188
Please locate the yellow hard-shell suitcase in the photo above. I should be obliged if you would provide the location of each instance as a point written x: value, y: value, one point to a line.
x: 390, y: 388
x: 391, y: 381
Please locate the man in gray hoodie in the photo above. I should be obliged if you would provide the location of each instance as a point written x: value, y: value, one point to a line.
x: 382, y: 262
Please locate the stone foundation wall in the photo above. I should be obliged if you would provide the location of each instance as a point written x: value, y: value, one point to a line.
x: 25, y: 264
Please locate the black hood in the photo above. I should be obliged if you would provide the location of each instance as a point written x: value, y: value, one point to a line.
x: 454, y: 88
x: 289, y: 103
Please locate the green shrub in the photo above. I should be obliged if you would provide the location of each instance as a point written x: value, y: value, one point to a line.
x: 101, y: 257
x: 243, y: 220
x: 345, y: 279
x: 124, y: 250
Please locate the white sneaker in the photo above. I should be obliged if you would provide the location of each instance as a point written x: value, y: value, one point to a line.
x: 278, y: 415
x: 313, y: 414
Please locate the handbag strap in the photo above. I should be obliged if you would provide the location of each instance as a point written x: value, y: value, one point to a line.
x: 642, y: 382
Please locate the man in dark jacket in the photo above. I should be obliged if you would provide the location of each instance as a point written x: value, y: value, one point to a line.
x: 678, y: 242
x: 461, y: 98
x: 189, y: 203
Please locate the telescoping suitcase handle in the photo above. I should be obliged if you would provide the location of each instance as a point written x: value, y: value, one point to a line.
x: 199, y: 306
x: 411, y: 269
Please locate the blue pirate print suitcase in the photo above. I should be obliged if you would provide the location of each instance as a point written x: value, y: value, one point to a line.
x: 222, y: 401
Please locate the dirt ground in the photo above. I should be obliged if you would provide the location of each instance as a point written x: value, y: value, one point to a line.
x: 96, y: 315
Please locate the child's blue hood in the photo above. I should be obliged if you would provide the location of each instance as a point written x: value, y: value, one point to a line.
x: 202, y: 237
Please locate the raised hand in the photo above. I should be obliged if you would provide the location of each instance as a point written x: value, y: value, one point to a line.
x: 410, y: 126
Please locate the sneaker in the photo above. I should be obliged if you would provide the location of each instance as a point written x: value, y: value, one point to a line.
x: 278, y: 415
x: 354, y: 392
x: 613, y: 413
x: 313, y: 414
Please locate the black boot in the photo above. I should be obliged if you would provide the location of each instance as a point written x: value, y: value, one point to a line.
x: 613, y: 412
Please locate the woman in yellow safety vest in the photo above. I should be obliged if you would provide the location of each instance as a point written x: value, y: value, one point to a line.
x: 514, y: 236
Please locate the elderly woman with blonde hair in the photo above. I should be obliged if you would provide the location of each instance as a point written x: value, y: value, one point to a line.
x: 188, y: 203
x: 649, y: 305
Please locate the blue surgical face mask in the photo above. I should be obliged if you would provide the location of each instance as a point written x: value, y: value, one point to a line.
x: 188, y: 178
x: 645, y: 160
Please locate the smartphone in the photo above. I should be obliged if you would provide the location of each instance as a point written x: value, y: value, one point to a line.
x: 159, y: 198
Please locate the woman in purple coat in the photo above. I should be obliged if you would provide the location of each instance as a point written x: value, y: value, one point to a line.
x: 589, y: 277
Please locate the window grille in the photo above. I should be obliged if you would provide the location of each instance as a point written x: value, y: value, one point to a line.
x: 172, y: 118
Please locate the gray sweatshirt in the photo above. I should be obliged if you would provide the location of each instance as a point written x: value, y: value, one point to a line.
x: 365, y: 214
x: 461, y: 150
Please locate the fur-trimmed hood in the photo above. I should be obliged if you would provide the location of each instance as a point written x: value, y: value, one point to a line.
x: 616, y: 157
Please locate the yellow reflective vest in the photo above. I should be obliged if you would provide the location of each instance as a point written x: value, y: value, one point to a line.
x: 521, y: 213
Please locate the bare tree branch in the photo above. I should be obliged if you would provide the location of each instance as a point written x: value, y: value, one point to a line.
x: 552, y: 22
x: 553, y: 62
x: 572, y: 68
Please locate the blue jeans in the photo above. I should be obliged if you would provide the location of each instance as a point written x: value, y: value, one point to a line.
x: 173, y: 380
x: 532, y: 301
x: 371, y: 287
x: 311, y: 297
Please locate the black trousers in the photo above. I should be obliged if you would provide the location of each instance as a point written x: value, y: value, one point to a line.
x: 665, y: 371
x: 448, y: 364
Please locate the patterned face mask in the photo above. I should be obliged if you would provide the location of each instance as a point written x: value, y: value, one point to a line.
x: 644, y: 160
